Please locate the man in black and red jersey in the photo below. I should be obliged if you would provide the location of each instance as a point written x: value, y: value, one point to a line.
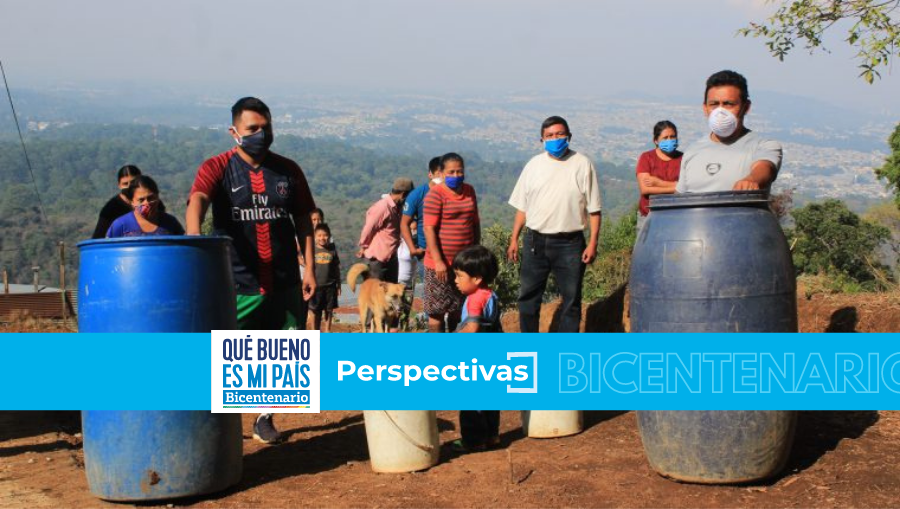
x: 262, y: 201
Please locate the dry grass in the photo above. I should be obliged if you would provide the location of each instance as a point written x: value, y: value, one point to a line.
x: 23, y: 321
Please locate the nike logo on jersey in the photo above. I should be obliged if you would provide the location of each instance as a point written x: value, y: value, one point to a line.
x: 236, y: 189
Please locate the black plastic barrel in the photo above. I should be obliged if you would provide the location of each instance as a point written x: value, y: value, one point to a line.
x: 714, y: 262
x: 158, y: 284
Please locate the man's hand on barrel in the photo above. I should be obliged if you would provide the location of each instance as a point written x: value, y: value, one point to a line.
x: 746, y: 185
x: 762, y: 173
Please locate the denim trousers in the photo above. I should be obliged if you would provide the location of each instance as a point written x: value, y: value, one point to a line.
x: 541, y: 256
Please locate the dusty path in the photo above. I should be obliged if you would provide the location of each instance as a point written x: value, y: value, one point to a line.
x: 841, y: 459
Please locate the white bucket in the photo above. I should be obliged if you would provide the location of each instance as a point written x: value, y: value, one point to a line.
x: 552, y: 423
x: 402, y: 440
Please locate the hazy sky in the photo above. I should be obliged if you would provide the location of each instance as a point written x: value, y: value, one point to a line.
x: 663, y: 48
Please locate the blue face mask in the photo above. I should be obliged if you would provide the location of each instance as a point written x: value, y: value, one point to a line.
x: 454, y: 182
x: 557, y: 148
x: 668, y: 146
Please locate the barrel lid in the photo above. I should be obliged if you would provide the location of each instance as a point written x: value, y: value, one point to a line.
x: 716, y: 199
x: 156, y: 240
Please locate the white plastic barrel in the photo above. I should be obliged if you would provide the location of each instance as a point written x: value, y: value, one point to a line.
x: 402, y: 440
x: 552, y: 423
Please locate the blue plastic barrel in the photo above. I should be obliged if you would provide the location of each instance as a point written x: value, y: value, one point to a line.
x: 158, y: 455
x: 717, y: 447
x: 158, y: 284
x: 714, y: 262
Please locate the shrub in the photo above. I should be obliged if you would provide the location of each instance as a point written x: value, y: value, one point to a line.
x: 830, y: 239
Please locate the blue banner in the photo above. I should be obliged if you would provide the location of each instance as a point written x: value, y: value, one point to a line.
x: 476, y: 371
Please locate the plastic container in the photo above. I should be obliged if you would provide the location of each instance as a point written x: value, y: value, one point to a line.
x: 552, y: 423
x: 712, y: 262
x: 158, y: 284
x: 158, y: 455
x: 402, y: 440
x: 717, y: 447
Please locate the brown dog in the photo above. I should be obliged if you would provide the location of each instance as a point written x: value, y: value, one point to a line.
x: 383, y: 300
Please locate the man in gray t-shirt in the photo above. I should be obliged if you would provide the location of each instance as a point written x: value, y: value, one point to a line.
x: 731, y: 157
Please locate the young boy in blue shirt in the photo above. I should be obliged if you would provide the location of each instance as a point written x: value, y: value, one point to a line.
x: 475, y: 268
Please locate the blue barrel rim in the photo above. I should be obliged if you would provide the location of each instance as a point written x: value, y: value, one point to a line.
x: 156, y: 239
x: 714, y: 199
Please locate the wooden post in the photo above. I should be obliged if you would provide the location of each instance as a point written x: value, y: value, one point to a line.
x: 5, y: 280
x: 35, y: 269
x: 62, y: 281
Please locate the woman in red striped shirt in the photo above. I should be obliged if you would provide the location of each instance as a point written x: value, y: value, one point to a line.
x: 451, y: 225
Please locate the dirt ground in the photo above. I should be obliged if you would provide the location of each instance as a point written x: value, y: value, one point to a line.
x: 839, y: 459
x: 864, y: 312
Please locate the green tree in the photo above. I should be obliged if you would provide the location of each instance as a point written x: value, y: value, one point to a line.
x: 890, y: 172
x: 831, y: 240
x: 874, y: 29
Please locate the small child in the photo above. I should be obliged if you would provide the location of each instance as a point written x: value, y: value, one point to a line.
x: 149, y: 216
x: 475, y: 268
x: 328, y: 279
x: 316, y: 217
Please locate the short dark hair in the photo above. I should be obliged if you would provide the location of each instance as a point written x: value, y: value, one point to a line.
x: 317, y: 210
x: 451, y: 156
x: 129, y: 170
x: 553, y: 121
x: 477, y: 261
x: 249, y: 104
x: 727, y: 78
x: 143, y: 182
x: 434, y: 165
x: 661, y: 126
x: 323, y: 227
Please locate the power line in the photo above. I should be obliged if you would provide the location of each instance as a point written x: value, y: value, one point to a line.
x: 22, y: 141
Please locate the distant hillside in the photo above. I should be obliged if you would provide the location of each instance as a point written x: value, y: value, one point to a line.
x: 75, y: 170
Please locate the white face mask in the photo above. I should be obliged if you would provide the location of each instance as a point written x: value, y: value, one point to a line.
x: 437, y: 180
x: 722, y: 122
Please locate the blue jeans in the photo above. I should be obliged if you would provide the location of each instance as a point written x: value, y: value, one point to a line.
x: 561, y: 255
